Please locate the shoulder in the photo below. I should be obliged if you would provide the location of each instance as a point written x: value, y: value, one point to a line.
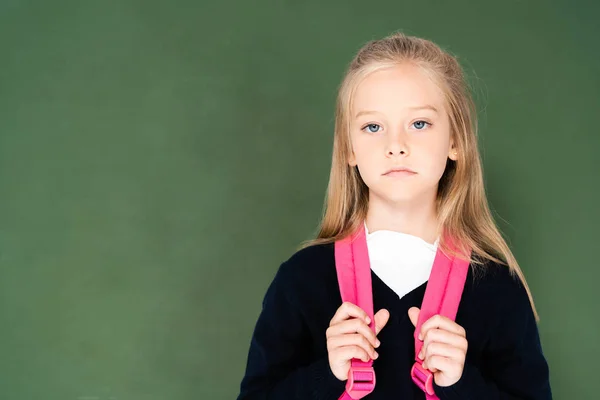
x: 496, y: 287
x: 315, y: 255
x: 308, y: 261
x: 496, y: 279
x: 306, y: 269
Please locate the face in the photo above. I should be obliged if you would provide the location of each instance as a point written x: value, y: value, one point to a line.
x: 392, y: 126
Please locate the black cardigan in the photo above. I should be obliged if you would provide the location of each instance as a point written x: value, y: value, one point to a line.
x: 288, y: 355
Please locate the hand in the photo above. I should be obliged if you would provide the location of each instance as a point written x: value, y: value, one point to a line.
x: 349, y: 336
x: 444, y: 347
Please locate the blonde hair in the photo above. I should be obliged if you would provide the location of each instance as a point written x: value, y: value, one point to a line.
x: 462, y: 208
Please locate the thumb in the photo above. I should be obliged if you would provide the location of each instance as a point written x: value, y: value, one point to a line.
x: 413, y: 314
x: 381, y: 318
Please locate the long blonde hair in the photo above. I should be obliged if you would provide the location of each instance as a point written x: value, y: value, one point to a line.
x: 462, y: 207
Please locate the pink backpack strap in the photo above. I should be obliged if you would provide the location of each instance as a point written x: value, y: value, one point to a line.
x: 442, y: 296
x: 354, y: 278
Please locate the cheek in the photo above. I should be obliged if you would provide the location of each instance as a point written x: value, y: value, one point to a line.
x: 365, y: 150
x: 439, y: 164
x: 433, y: 162
x: 369, y: 163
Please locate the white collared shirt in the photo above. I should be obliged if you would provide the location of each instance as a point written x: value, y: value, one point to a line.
x: 402, y: 261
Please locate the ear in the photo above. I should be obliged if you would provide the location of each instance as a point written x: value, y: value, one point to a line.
x: 453, y: 153
x: 352, y: 160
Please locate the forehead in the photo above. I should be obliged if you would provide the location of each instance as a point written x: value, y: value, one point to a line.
x: 395, y: 89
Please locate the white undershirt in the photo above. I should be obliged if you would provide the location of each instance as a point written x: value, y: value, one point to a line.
x: 402, y: 261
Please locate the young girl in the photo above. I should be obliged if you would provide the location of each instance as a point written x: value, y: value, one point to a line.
x: 405, y: 168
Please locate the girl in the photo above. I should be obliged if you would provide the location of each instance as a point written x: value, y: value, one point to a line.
x: 405, y: 168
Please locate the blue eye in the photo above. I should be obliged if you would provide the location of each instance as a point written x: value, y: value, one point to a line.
x: 371, y: 125
x: 416, y: 122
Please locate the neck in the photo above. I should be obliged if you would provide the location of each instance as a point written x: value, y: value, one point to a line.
x: 417, y: 218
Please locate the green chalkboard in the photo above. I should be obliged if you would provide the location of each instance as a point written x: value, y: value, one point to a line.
x: 159, y: 160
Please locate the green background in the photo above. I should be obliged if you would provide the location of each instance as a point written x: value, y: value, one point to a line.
x: 159, y: 160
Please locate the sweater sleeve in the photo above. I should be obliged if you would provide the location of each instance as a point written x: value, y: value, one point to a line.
x: 279, y: 364
x: 513, y: 365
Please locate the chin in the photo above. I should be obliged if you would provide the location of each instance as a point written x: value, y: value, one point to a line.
x: 400, y: 194
x: 398, y: 200
x: 399, y: 197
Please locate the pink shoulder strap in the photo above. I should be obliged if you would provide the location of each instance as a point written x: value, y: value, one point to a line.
x: 442, y: 296
x: 354, y: 278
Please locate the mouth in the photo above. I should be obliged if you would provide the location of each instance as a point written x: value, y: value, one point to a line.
x: 400, y: 171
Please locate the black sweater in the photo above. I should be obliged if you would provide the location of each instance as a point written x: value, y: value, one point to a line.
x: 288, y: 354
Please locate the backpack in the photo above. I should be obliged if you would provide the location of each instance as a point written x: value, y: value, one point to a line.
x: 442, y: 296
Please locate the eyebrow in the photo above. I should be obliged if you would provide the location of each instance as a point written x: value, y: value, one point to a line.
x: 425, y: 107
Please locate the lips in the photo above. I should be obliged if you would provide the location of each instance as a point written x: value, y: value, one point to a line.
x: 400, y: 171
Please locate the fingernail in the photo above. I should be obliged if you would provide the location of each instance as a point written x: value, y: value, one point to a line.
x: 375, y: 355
x: 377, y: 343
x: 421, y: 355
x: 368, y: 320
x: 420, y: 336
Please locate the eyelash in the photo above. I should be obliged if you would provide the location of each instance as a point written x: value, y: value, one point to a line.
x: 367, y: 125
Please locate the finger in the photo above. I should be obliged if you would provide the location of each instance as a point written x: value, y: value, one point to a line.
x: 381, y: 319
x: 430, y: 368
x: 413, y: 314
x: 350, y: 340
x: 444, y: 350
x: 439, y: 363
x: 352, y: 326
x: 349, y: 352
x: 349, y: 310
x: 442, y: 336
x: 441, y: 322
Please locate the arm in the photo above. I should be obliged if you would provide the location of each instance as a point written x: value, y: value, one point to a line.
x: 278, y: 365
x: 513, y: 364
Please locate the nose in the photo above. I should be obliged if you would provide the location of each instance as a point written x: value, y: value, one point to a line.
x: 396, y: 145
